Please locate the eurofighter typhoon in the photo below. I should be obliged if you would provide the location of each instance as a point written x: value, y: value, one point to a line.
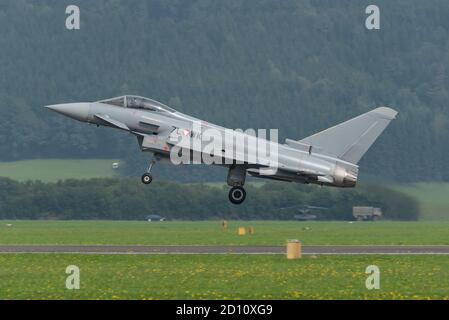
x: 327, y: 158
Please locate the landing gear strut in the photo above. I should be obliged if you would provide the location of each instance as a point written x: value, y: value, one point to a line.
x: 237, y: 195
x: 147, y: 178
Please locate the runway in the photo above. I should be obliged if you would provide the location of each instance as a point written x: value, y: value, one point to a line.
x: 217, y: 249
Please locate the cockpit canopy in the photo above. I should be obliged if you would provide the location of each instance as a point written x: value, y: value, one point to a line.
x: 136, y: 102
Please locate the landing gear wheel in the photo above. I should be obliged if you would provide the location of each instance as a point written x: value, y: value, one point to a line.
x: 237, y: 195
x: 147, y: 178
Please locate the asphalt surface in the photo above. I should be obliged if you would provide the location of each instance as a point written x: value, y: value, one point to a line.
x: 215, y: 249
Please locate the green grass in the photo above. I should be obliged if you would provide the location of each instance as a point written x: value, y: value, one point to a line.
x: 433, y: 199
x: 42, y: 276
x: 210, y: 232
x: 133, y: 276
x: 52, y: 170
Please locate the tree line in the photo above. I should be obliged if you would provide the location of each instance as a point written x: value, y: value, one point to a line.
x: 128, y: 199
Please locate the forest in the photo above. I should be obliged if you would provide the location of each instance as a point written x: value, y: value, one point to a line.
x: 296, y: 65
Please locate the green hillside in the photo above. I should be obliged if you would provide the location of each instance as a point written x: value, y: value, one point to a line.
x: 52, y: 170
x: 299, y: 66
x: 432, y: 197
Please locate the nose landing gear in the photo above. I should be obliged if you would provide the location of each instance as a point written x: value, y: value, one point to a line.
x: 147, y: 178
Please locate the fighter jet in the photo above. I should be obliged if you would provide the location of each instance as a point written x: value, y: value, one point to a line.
x: 327, y: 158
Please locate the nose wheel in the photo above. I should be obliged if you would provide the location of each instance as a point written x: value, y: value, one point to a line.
x: 237, y: 195
x: 147, y: 178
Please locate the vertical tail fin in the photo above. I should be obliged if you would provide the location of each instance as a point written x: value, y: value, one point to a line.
x: 351, y: 139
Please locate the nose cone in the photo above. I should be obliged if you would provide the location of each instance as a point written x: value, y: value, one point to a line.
x: 78, y: 111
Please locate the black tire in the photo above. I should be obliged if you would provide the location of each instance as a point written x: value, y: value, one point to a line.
x: 147, y: 178
x: 237, y: 195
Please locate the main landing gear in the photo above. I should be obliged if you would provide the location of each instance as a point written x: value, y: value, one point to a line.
x: 237, y: 195
x: 147, y: 178
x: 236, y: 180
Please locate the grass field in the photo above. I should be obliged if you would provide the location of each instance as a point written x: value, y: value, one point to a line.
x: 433, y: 199
x: 42, y: 276
x: 210, y: 232
x: 227, y: 276
x: 52, y: 170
